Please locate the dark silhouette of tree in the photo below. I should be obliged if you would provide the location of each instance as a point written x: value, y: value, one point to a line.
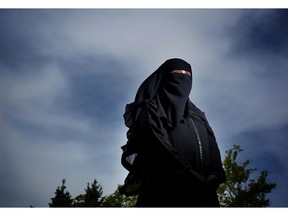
x: 240, y: 189
x: 92, y: 197
x: 79, y: 201
x: 62, y: 197
x: 119, y: 200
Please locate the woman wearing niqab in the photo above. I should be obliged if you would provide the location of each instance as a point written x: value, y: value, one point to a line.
x: 171, y: 152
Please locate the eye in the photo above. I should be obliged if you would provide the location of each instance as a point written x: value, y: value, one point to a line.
x: 181, y: 72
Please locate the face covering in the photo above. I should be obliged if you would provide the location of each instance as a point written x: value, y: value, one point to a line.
x: 173, y: 92
x: 170, y: 90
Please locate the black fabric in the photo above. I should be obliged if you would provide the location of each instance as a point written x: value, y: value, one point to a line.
x: 184, y: 140
x: 167, y: 165
x: 176, y: 64
x: 183, y: 133
x: 173, y: 91
x: 173, y: 96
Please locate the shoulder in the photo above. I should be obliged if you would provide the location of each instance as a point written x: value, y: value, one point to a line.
x: 195, y: 111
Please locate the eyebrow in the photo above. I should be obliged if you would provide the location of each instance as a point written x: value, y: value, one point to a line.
x: 181, y: 72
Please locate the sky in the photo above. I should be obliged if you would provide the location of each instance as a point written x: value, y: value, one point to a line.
x: 66, y: 76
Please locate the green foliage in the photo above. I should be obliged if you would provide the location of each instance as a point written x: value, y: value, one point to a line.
x: 79, y: 201
x: 92, y: 197
x: 62, y: 197
x: 119, y: 200
x: 240, y: 189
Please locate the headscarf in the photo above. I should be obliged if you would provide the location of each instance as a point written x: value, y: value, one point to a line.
x: 171, y: 92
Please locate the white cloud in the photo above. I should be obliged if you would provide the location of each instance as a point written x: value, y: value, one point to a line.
x: 145, y: 37
x: 22, y: 86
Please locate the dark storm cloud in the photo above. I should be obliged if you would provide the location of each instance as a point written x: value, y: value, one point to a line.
x: 267, y: 149
x: 259, y: 144
x: 20, y: 41
x: 261, y: 32
x: 258, y: 48
x: 98, y: 86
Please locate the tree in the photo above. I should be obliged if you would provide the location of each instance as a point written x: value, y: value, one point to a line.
x: 79, y: 201
x: 119, y: 200
x: 62, y: 197
x: 92, y: 198
x: 240, y: 189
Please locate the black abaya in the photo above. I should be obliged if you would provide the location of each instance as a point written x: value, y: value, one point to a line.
x: 171, y: 149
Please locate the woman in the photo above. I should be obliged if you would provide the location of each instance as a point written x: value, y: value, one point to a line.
x: 171, y: 153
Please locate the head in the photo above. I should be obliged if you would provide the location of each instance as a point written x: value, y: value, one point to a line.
x: 171, y: 84
x: 174, y: 89
x: 177, y: 77
x: 176, y: 64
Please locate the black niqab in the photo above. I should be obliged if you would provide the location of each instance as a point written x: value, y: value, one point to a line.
x: 171, y: 92
x: 173, y: 96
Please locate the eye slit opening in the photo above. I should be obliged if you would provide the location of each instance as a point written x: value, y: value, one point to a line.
x: 181, y: 72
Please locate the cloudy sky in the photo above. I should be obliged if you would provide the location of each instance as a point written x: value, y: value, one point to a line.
x: 66, y: 76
